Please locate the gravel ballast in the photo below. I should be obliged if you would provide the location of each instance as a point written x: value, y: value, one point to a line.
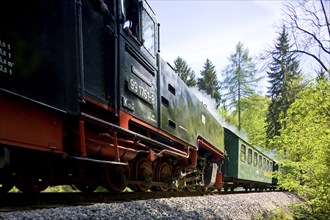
x: 239, y: 206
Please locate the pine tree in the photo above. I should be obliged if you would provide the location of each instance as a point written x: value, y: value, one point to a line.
x: 185, y: 72
x: 284, y: 78
x: 209, y: 81
x: 240, y: 78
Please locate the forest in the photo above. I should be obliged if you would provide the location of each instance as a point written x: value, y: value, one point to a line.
x: 293, y: 118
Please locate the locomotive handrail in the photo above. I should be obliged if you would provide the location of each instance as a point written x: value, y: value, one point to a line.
x: 132, y: 133
x: 99, y: 161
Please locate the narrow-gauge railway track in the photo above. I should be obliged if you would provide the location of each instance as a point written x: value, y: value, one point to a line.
x: 71, y: 199
x: 14, y: 201
x: 21, y: 201
x: 229, y: 206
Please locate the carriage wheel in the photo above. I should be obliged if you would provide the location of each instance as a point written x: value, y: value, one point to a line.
x: 164, y: 174
x: 34, y: 176
x: 86, y: 188
x: 144, y: 173
x: 6, y: 183
x: 115, y: 178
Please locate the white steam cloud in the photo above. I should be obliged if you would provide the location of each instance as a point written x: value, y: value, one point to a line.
x: 211, y: 107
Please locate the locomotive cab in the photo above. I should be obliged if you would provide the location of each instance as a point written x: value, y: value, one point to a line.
x: 138, y: 62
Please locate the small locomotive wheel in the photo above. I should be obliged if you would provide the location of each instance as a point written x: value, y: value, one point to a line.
x: 144, y: 174
x: 164, y: 174
x: 177, y: 174
x: 5, y: 186
x: 190, y: 188
x: 115, y: 178
x: 88, y: 179
x: 34, y: 176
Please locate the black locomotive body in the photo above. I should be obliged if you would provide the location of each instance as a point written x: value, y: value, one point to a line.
x: 86, y: 100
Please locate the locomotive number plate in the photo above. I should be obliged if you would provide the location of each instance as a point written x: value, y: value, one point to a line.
x: 141, y: 90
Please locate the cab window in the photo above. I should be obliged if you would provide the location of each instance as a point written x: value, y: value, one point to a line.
x: 148, y: 32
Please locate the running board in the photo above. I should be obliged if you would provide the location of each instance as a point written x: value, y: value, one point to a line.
x: 134, y: 134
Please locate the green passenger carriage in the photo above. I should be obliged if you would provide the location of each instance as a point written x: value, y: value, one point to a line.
x: 246, y: 166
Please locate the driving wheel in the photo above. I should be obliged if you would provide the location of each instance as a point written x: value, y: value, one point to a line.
x: 144, y: 174
x: 115, y: 178
x: 164, y: 175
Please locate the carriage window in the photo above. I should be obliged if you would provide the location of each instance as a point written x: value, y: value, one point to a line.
x: 264, y: 164
x: 243, y: 149
x: 260, y: 162
x: 148, y: 32
x: 267, y: 167
x: 255, y: 159
x: 270, y: 166
x: 249, y: 156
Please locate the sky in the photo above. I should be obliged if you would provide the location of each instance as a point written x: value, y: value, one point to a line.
x: 197, y: 30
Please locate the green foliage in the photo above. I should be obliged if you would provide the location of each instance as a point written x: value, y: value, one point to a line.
x: 185, y: 72
x: 14, y: 189
x: 61, y: 188
x: 67, y: 188
x: 253, y: 118
x: 280, y: 214
x: 229, y: 117
x: 209, y: 81
x: 254, y: 110
x: 304, y: 147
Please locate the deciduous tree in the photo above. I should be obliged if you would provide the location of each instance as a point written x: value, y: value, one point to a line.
x: 239, y: 78
x: 304, y: 146
x: 253, y: 111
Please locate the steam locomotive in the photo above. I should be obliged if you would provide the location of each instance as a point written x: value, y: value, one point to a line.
x: 86, y: 100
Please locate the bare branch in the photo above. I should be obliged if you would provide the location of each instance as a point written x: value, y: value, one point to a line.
x: 325, y: 16
x: 312, y: 55
x: 313, y: 36
x: 309, y: 24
